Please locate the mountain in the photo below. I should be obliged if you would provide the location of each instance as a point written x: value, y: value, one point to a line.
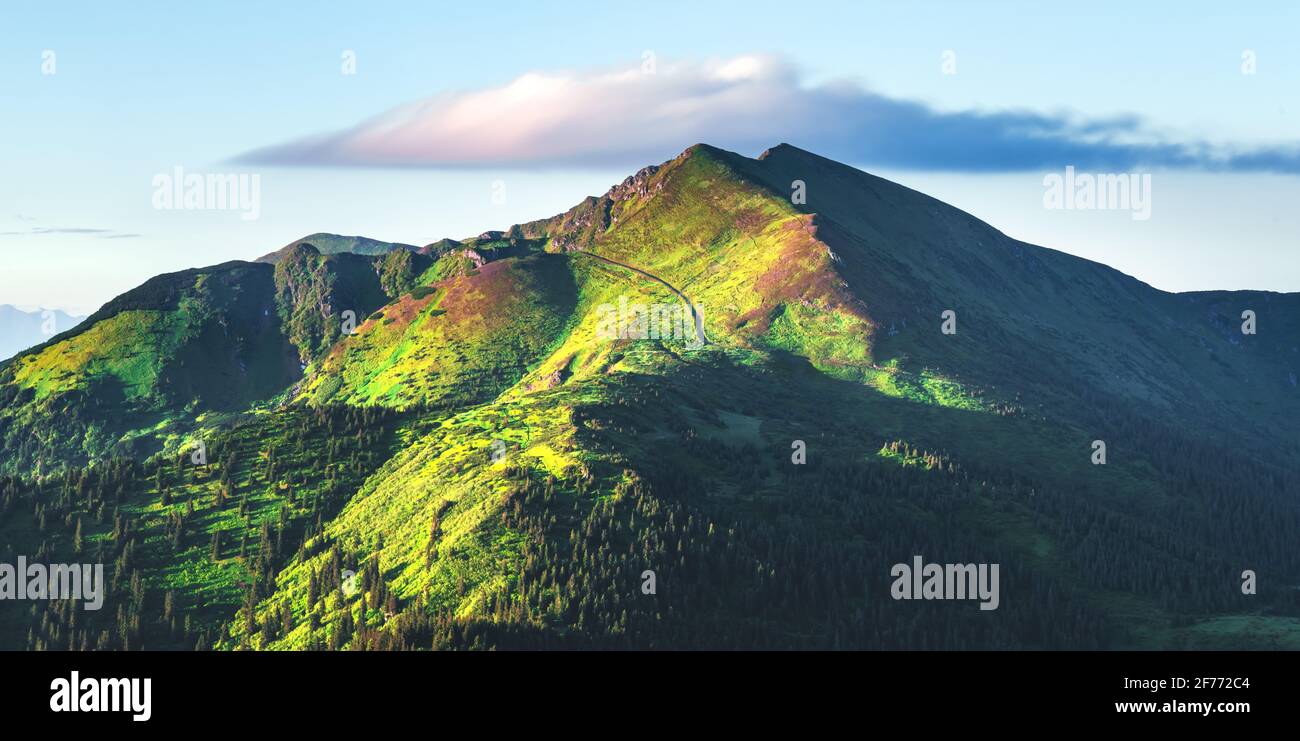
x: 687, y: 413
x: 333, y: 244
x: 117, y: 383
x: 20, y: 329
x: 138, y: 374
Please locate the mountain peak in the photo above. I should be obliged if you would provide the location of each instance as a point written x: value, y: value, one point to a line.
x: 704, y: 151
x: 782, y: 148
x: 782, y: 151
x: 297, y: 248
x: 698, y: 148
x: 330, y: 244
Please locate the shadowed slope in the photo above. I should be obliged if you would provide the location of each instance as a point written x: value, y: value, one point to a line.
x: 195, y: 340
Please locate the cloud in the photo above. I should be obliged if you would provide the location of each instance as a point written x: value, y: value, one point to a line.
x: 627, y: 118
x: 43, y: 230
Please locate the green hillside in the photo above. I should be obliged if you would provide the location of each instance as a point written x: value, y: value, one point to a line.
x: 483, y: 464
x: 141, y: 368
x: 456, y: 341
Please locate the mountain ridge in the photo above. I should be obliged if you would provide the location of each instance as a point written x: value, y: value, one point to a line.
x: 331, y: 244
x: 499, y: 470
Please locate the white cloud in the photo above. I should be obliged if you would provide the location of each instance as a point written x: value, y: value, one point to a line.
x: 541, y: 118
x: 627, y: 118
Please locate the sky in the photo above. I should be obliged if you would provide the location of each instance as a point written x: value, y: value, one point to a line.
x: 412, y: 122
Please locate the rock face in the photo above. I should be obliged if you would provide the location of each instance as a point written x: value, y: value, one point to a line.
x: 581, y: 224
x: 474, y: 256
x: 313, y: 290
x: 635, y: 185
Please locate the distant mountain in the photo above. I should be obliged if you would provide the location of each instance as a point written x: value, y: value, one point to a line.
x: 333, y: 244
x: 441, y: 246
x: 689, y: 381
x: 20, y: 329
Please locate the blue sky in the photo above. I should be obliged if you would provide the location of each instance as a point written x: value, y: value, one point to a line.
x: 139, y: 90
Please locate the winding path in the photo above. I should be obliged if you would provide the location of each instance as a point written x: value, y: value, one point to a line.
x: 695, y: 312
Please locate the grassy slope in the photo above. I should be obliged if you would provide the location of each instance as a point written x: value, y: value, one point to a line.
x: 464, y: 339
x: 203, y: 339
